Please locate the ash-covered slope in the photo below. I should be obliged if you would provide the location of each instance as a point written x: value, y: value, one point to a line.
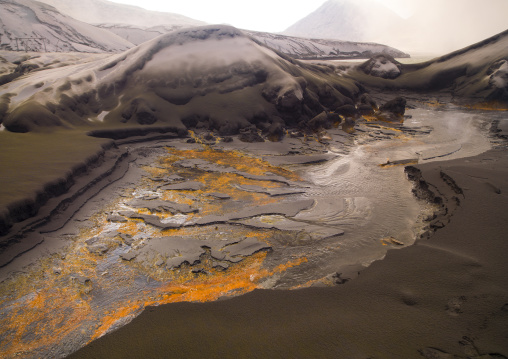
x: 103, y: 11
x: 346, y: 20
x: 136, y: 34
x: 303, y: 48
x: 212, y: 77
x: 479, y: 71
x: 296, y: 47
x: 23, y: 19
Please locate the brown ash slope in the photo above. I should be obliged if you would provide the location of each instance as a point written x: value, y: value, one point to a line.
x: 479, y: 72
x: 208, y: 77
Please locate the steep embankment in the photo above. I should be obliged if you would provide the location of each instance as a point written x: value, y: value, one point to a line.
x: 479, y: 72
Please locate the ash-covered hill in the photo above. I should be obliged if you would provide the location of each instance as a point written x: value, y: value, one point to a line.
x: 138, y: 25
x: 137, y: 34
x: 479, y: 71
x: 304, y: 48
x: 212, y: 77
x: 296, y: 47
x: 103, y: 11
x: 28, y: 25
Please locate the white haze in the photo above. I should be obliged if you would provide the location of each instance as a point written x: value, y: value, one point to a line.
x: 431, y: 26
x: 438, y: 26
x: 426, y: 27
x: 259, y: 15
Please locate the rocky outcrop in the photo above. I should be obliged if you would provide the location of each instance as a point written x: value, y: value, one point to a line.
x: 347, y: 111
x: 395, y: 107
x: 366, y: 99
x: 324, y: 120
x: 498, y: 81
x: 439, y: 189
x: 30, y: 116
x: 477, y: 74
x: 382, y: 65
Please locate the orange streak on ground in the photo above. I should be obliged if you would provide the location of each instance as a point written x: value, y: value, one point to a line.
x: 369, y: 118
x: 310, y: 283
x: 242, y: 278
x: 405, y: 163
x: 43, y: 308
x: 130, y: 227
x: 488, y: 106
x: 43, y: 319
x: 433, y: 103
x: 113, y: 317
x: 178, y: 196
x: 37, y: 302
x: 236, y: 159
x: 390, y: 128
x: 155, y: 171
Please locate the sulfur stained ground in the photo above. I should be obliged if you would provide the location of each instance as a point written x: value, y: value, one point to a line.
x: 73, y: 297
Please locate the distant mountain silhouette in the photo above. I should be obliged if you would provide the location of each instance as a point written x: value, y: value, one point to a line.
x: 436, y: 27
x: 346, y: 20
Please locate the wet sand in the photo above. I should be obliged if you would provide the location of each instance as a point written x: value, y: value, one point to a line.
x: 444, y: 297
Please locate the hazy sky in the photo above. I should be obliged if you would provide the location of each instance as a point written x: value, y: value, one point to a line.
x: 440, y: 26
x: 261, y: 15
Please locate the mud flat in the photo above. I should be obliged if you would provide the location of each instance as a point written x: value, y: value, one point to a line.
x: 444, y: 297
x: 168, y: 212
x: 190, y: 222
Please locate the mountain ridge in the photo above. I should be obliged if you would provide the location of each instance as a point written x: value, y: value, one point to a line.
x: 132, y: 33
x: 34, y: 26
x: 103, y: 11
x: 299, y: 48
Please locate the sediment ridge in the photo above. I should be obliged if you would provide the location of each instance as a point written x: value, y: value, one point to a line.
x: 28, y: 207
x: 59, y: 201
